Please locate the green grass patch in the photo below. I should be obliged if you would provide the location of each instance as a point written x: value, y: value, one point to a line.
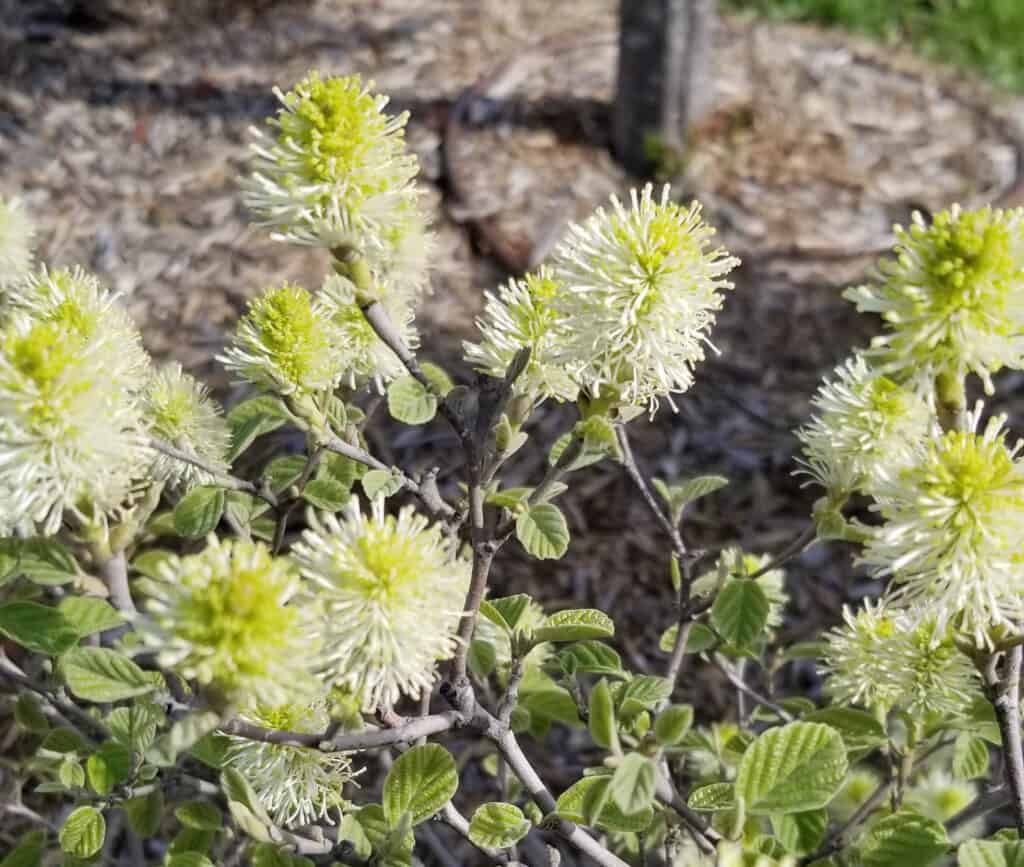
x: 983, y: 35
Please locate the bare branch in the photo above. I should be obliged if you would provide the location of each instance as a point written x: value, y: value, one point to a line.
x: 1001, y: 674
x: 225, y: 480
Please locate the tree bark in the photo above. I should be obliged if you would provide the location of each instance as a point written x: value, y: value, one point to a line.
x: 664, y: 80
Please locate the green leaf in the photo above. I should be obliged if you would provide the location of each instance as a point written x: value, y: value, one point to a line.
x: 987, y: 853
x: 437, y: 377
x: 109, y: 765
x: 326, y: 494
x: 801, y: 833
x: 135, y: 727
x: 191, y: 840
x: 505, y: 611
x: 199, y: 511
x: 542, y: 531
x: 89, y: 614
x: 70, y: 773
x: 253, y: 418
x: 200, y: 815
x: 28, y: 852
x: 678, y: 497
x: 740, y: 611
x: 420, y: 782
x: 672, y: 724
x: 632, y: 785
x: 553, y: 704
x: 592, y: 657
x: 498, y: 825
x: 393, y: 847
x: 482, y: 658
x: 575, y: 624
x: 102, y: 675
x: 46, y: 561
x: 284, y: 471
x: 713, y: 797
x: 585, y: 458
x: 410, y: 402
x: 61, y: 741
x: 183, y: 734
x: 792, y: 769
x: 861, y: 732
x: 588, y: 796
x: 148, y: 563
x: 338, y: 468
x: 599, y: 438
x: 37, y: 627
x: 144, y: 812
x: 904, y: 840
x: 642, y: 693
x: 381, y: 483
x: 700, y: 638
x: 29, y: 714
x: 970, y: 757
x: 603, y: 728
x: 83, y: 832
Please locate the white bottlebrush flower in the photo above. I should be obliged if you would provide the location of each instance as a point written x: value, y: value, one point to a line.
x: 640, y: 286
x: 391, y: 596
x: 953, y: 298
x: 954, y: 530
x: 521, y: 315
x: 283, y: 343
x: 222, y: 617
x: 16, y: 235
x: 75, y: 299
x: 865, y: 428
x: 332, y: 170
x: 939, y: 796
x: 71, y: 435
x: 180, y: 411
x: 296, y: 785
x: 359, y: 353
x: 882, y: 659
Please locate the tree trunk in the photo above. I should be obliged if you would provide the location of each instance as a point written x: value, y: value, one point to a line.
x: 664, y: 81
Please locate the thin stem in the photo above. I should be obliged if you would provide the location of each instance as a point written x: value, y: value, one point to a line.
x: 521, y: 767
x: 706, y: 838
x: 312, y: 462
x: 70, y: 713
x: 745, y: 689
x: 114, y: 572
x: 800, y: 544
x: 225, y: 480
x: 1001, y: 673
x: 483, y: 556
x: 406, y: 733
x: 842, y: 834
x: 629, y: 462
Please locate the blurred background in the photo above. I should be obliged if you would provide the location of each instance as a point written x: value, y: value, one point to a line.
x: 807, y: 127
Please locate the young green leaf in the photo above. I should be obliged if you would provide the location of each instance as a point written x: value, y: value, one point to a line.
x: 801, y: 833
x: 542, y: 531
x: 284, y: 471
x: 498, y: 825
x: 904, y: 839
x: 46, y: 561
x: 381, y: 483
x: 603, y: 727
x: 410, y: 402
x: 326, y: 494
x: 109, y: 765
x: 135, y: 727
x: 200, y: 815
x: 970, y: 757
x: 791, y: 769
x: 991, y: 853
x: 592, y: 657
x: 41, y: 628
x: 713, y: 797
x: 575, y: 624
x: 199, y: 511
x: 642, y: 693
x: 89, y: 614
x: 102, y: 675
x: 740, y: 611
x: 144, y: 812
x: 28, y: 852
x: 700, y: 638
x: 82, y: 833
x: 251, y: 419
x: 439, y: 380
x: 672, y: 724
x: 632, y: 784
x: 420, y: 782
x: 29, y: 715
x: 678, y: 497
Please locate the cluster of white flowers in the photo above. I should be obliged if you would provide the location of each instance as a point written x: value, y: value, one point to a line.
x: 179, y: 411
x: 953, y: 296
x: 390, y: 591
x: 72, y: 370
x: 296, y: 785
x: 883, y: 659
x: 624, y: 309
x: 865, y: 429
